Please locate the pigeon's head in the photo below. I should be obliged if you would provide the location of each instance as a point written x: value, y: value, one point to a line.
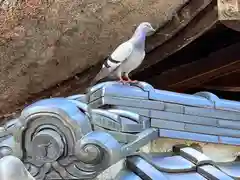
x: 146, y: 28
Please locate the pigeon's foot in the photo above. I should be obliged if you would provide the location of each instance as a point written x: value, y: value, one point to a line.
x: 133, y: 81
x: 121, y: 80
x: 129, y: 80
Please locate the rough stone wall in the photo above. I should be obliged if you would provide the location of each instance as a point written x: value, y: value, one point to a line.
x: 45, y: 42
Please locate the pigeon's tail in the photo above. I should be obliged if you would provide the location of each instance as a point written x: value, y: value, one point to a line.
x: 94, y: 81
x: 97, y: 78
x: 101, y: 75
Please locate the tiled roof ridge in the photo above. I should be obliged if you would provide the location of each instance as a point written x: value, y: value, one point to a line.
x: 200, y: 117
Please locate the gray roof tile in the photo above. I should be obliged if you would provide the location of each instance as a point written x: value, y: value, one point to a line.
x: 212, y: 130
x: 170, y: 166
x: 119, y: 136
x: 195, y: 156
x: 165, y: 124
x: 209, y: 112
x: 115, y: 121
x: 127, y: 175
x: 176, y: 108
x: 188, y: 135
x: 228, y: 105
x: 231, y: 168
x: 140, y: 111
x: 229, y: 140
x: 135, y: 115
x: 79, y: 97
x: 119, y: 90
x: 143, y: 169
x: 210, y: 96
x: 211, y: 172
x: 199, y: 117
x: 183, y: 118
x: 123, y: 101
x: 229, y: 124
x: 178, y: 98
x: 184, y: 176
x: 144, y: 86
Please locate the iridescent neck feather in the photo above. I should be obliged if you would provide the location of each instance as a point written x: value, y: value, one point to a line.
x: 139, y: 38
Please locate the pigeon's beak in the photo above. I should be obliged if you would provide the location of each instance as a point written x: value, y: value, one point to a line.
x: 153, y: 30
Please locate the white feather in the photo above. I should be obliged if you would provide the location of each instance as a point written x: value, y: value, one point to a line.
x: 122, y: 52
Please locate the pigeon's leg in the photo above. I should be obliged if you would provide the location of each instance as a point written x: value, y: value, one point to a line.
x: 121, y: 80
x: 129, y: 80
x: 126, y: 78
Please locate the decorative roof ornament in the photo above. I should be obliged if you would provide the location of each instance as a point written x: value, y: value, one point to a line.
x: 80, y: 136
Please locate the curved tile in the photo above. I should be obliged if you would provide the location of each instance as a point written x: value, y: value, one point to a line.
x: 143, y: 169
x: 128, y: 114
x: 210, y: 172
x: 127, y: 175
x: 195, y: 156
x: 210, y: 96
x: 101, y: 85
x: 105, y: 113
x: 79, y: 97
x: 82, y: 106
x: 119, y: 90
x: 144, y: 86
x: 232, y: 169
x: 171, y: 167
x: 140, y: 111
x: 173, y: 164
x: 184, y: 176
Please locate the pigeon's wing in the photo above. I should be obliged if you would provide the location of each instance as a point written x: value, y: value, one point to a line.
x: 121, y: 53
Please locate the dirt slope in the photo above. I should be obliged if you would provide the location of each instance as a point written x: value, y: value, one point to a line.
x: 44, y: 43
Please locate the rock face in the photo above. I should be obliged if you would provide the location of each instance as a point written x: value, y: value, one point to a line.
x: 43, y: 43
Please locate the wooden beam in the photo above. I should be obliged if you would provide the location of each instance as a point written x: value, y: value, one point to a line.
x: 221, y: 88
x: 231, y: 79
x: 230, y: 95
x: 183, y: 16
x: 201, y: 23
x: 230, y: 82
x: 229, y: 13
x: 199, y: 72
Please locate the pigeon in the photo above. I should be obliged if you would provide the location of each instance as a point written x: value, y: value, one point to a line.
x: 127, y: 56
